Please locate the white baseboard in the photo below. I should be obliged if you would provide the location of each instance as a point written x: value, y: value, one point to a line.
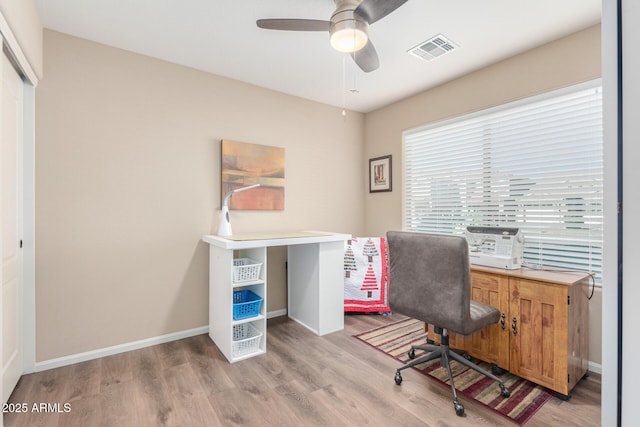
x: 121, y: 348
x: 596, y: 368
x: 277, y: 313
x: 135, y: 345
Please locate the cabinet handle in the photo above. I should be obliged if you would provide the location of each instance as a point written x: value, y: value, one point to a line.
x: 514, y: 327
x: 502, y: 321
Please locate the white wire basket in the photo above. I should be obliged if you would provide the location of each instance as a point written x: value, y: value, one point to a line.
x: 246, y: 339
x: 246, y: 270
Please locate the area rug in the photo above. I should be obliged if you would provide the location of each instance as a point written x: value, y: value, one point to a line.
x: 526, y: 397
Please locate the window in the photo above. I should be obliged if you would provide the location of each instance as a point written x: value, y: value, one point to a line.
x: 534, y: 164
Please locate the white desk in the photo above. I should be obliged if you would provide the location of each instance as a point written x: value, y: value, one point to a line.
x: 315, y: 283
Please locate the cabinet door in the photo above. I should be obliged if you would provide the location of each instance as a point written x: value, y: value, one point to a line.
x: 538, y: 326
x: 491, y: 344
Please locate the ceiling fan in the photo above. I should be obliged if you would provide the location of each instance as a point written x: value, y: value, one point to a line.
x: 347, y: 27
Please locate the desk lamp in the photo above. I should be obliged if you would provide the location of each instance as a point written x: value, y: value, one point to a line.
x: 224, y: 228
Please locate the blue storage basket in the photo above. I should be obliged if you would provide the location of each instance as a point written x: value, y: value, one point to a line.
x: 246, y: 304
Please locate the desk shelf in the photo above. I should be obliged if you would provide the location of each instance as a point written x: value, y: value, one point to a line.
x: 248, y: 356
x: 245, y: 284
x: 249, y: 319
x: 222, y: 286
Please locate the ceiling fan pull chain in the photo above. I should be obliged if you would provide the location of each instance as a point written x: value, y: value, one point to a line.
x: 344, y: 86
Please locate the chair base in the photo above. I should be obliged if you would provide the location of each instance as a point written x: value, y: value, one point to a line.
x: 445, y: 353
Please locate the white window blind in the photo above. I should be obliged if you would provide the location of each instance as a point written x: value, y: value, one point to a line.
x: 536, y: 165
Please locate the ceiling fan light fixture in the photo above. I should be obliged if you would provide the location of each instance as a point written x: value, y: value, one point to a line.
x: 348, y: 34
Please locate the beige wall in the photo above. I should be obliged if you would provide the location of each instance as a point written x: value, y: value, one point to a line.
x: 22, y: 17
x: 564, y: 62
x: 128, y: 180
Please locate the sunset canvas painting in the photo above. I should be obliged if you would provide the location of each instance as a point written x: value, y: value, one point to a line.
x: 245, y: 164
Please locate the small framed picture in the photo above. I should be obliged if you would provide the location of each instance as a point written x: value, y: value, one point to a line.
x: 380, y: 174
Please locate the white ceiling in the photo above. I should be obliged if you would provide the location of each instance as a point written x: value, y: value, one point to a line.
x: 221, y: 37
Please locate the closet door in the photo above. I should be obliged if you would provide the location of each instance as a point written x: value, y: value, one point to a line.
x: 11, y: 110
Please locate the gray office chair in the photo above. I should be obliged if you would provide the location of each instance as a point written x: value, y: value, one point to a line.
x: 430, y: 281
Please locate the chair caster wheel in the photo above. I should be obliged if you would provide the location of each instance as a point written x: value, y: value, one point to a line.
x: 459, y: 408
x: 504, y: 391
x: 412, y: 353
x: 398, y: 378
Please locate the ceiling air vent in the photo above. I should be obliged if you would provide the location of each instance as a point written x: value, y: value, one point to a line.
x: 433, y: 48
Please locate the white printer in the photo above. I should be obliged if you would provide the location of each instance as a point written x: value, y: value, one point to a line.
x: 499, y: 247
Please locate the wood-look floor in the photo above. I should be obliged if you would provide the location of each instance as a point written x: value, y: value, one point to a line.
x: 302, y: 380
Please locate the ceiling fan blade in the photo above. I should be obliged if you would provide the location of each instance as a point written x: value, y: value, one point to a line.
x: 294, y: 24
x: 374, y: 10
x: 367, y: 58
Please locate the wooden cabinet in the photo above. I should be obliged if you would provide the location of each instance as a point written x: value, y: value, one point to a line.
x: 544, y: 327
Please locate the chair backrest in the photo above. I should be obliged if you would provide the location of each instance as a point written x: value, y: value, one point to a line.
x: 430, y: 278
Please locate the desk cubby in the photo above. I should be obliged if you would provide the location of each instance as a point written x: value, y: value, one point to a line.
x: 222, y: 324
